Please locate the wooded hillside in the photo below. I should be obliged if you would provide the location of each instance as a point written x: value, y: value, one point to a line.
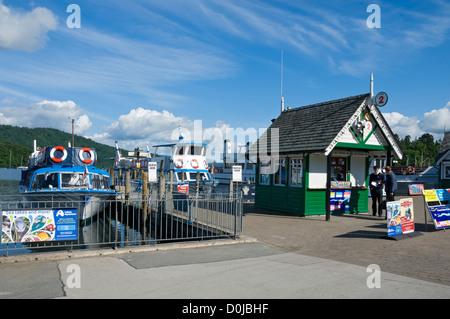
x: 17, y: 143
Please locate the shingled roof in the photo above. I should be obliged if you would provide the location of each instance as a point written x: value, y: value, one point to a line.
x: 312, y: 128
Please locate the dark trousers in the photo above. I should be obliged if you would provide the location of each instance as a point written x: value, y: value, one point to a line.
x: 377, y: 198
x: 389, y: 197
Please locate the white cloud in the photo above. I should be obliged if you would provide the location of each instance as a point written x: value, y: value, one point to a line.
x: 433, y: 122
x: 436, y: 121
x: 403, y: 125
x: 25, y: 30
x: 53, y: 114
x: 144, y: 127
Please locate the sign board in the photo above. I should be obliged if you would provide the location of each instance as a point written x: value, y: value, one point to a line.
x: 152, y: 172
x: 381, y: 99
x: 340, y: 200
x: 237, y: 173
x: 183, y: 188
x: 438, y: 203
x: 400, y: 217
x: 415, y: 189
x: 34, y: 225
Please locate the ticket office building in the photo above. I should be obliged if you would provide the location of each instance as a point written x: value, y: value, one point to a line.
x: 307, y: 146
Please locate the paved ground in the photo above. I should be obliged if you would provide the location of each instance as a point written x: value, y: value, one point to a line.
x: 357, y: 239
x: 277, y: 256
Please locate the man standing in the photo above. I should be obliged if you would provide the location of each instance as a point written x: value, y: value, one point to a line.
x: 376, y: 181
x: 391, y: 184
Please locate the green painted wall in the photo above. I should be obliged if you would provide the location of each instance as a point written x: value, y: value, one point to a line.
x: 301, y: 200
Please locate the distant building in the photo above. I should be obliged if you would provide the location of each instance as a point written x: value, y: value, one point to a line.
x: 443, y: 162
x: 323, y: 150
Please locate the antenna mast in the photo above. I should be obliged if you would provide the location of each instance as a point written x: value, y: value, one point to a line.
x: 282, y: 97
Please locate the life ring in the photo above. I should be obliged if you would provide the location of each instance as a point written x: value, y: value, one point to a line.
x: 410, y: 170
x: 179, y: 163
x: 194, y: 163
x: 86, y: 160
x: 206, y: 164
x: 52, y: 154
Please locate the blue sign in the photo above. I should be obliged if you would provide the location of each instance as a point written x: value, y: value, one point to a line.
x: 66, y: 224
x: 35, y: 225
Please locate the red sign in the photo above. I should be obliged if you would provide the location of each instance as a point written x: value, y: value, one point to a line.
x: 183, y: 188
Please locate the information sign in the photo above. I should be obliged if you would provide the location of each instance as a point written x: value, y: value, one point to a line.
x: 381, y: 99
x: 152, y: 172
x: 183, y: 188
x: 438, y: 203
x: 237, y: 173
x: 34, y: 225
x: 340, y: 200
x: 400, y: 217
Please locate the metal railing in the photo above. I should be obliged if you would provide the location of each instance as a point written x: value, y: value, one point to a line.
x: 137, y: 219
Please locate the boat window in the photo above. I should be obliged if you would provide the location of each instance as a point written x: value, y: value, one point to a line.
x: 69, y: 180
x: 100, y: 181
x: 195, y: 150
x: 180, y: 151
x: 47, y: 180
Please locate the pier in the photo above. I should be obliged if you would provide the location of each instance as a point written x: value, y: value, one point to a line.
x: 141, y: 213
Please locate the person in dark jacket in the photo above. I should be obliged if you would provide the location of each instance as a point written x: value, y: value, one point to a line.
x: 376, y: 181
x: 391, y: 184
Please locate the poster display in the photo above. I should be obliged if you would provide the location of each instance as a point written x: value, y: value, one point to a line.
x: 34, y: 225
x: 415, y: 189
x: 438, y: 203
x: 400, y: 217
x: 340, y: 201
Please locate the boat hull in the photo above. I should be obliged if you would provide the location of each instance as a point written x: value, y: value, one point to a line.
x: 88, y: 204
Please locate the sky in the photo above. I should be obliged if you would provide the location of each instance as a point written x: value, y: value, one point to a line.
x: 134, y: 71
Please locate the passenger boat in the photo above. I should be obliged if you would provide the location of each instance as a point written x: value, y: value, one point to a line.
x: 68, y: 176
x: 188, y: 164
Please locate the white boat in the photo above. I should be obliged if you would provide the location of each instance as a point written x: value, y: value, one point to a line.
x: 224, y: 172
x: 67, y: 176
x: 188, y: 164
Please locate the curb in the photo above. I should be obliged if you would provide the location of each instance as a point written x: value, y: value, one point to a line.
x: 53, y: 256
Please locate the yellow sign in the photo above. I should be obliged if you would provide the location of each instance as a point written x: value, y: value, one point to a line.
x: 430, y: 195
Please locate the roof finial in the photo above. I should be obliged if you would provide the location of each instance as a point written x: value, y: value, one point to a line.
x: 371, y: 86
x: 282, y: 97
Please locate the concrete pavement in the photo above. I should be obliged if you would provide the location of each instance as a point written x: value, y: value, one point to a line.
x: 278, y: 256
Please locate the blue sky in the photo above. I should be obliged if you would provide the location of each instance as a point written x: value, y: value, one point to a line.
x: 136, y: 70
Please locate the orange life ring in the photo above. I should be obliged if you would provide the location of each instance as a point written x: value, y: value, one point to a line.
x: 206, y: 164
x: 194, y: 163
x: 179, y: 163
x: 52, y: 154
x: 86, y: 160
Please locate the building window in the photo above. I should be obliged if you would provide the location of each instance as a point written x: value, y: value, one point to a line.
x: 280, y: 174
x: 296, y: 172
x: 446, y: 171
x: 264, y: 172
x: 338, y: 169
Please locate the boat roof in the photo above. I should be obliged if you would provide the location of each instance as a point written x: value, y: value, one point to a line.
x: 70, y: 169
x: 186, y: 143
